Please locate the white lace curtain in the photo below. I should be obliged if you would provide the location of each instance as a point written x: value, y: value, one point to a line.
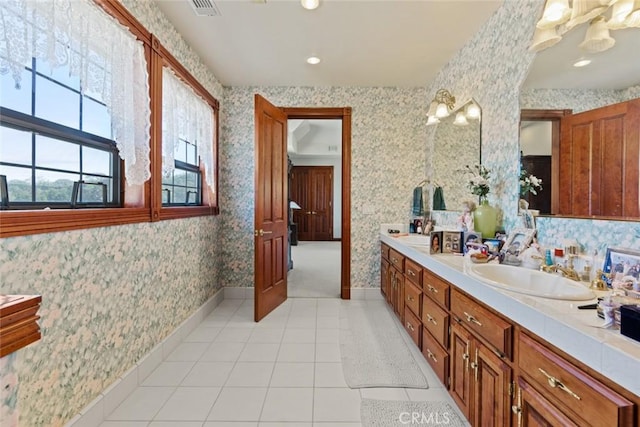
x: 187, y: 116
x: 105, y: 55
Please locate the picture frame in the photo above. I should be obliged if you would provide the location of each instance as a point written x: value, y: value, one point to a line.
x: 528, y: 219
x: 436, y: 242
x: 518, y: 239
x: 621, y: 264
x: 493, y: 245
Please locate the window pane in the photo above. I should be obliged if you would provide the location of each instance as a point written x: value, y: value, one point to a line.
x: 59, y: 74
x: 57, y: 154
x: 96, y: 161
x: 18, y: 183
x: 15, y: 146
x: 179, y: 194
x: 57, y: 104
x: 167, y: 178
x: 192, y: 179
x: 93, y: 193
x: 167, y: 194
x: 181, y: 151
x: 192, y: 195
x: 54, y: 186
x: 95, y: 118
x: 191, y: 154
x: 16, y: 99
x: 180, y: 177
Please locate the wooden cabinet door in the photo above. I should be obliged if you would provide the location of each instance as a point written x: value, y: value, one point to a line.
x: 384, y: 278
x: 312, y: 189
x: 599, y: 156
x: 491, y: 379
x: 533, y: 410
x: 459, y: 365
x: 399, y: 297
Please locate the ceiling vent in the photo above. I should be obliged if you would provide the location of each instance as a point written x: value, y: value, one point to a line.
x: 205, y: 8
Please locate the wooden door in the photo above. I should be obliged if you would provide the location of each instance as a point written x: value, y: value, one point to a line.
x: 492, y: 403
x: 533, y: 410
x: 271, y: 228
x: 460, y: 351
x: 599, y: 156
x: 313, y: 191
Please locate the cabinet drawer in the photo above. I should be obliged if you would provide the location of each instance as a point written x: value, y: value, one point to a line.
x: 413, y: 272
x: 396, y: 259
x: 494, y: 329
x: 412, y: 325
x: 384, y: 251
x: 436, y: 288
x: 436, y: 320
x: 592, y: 401
x: 436, y: 356
x: 412, y: 297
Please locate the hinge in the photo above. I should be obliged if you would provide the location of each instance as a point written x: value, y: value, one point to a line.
x: 511, y: 387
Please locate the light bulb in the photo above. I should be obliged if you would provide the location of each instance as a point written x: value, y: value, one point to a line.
x: 310, y: 4
x: 442, y: 111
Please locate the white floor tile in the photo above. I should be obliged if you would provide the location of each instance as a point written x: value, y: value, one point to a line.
x: 188, y: 352
x: 283, y: 424
x: 238, y: 404
x: 250, y: 374
x: 291, y: 374
x: 337, y: 425
x: 288, y: 404
x: 222, y: 352
x: 329, y: 375
x: 208, y: 374
x: 296, y: 352
x: 168, y: 374
x: 299, y: 336
x: 327, y: 336
x: 430, y: 394
x: 203, y: 333
x: 230, y: 424
x: 259, y: 352
x: 328, y: 352
x: 306, y: 322
x: 175, y: 424
x: 327, y: 322
x: 124, y: 424
x: 142, y: 404
x: 189, y: 404
x: 266, y: 335
x: 384, y: 393
x: 233, y: 334
x: 336, y: 404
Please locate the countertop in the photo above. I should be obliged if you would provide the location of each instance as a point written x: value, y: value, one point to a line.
x: 576, y: 332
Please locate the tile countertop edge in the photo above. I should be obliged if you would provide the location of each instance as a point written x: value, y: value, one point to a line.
x: 558, y: 322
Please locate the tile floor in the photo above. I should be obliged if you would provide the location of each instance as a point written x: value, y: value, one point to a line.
x: 283, y: 371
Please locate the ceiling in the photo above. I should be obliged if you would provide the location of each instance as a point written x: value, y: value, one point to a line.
x: 402, y: 43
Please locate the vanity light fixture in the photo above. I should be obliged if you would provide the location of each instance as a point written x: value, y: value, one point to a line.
x: 444, y: 103
x: 310, y: 4
x: 313, y: 60
x: 561, y: 16
x: 582, y: 62
x: 461, y: 119
x: 472, y: 111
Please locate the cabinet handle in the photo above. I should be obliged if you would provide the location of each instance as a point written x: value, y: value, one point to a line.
x: 472, y: 319
x: 465, y: 357
x: 432, y: 289
x: 410, y: 298
x: 431, y: 319
x: 411, y: 273
x: 517, y: 409
x: 474, y: 366
x: 409, y: 326
x: 554, y: 382
x: 431, y: 356
x: 395, y: 260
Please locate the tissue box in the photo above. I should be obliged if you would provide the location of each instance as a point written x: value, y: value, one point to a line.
x: 630, y: 321
x: 452, y: 242
x: 436, y: 242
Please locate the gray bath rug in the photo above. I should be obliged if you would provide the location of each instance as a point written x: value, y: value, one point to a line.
x: 374, y: 354
x: 401, y: 413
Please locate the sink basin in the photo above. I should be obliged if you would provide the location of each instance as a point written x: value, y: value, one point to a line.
x: 415, y: 240
x: 530, y: 282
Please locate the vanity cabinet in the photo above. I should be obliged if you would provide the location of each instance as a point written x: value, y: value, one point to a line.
x: 385, y: 282
x: 396, y: 266
x: 570, y: 391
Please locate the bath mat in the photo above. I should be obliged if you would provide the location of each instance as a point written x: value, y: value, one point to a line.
x: 373, y: 352
x: 392, y: 413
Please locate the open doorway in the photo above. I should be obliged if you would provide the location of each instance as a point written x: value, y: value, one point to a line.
x: 314, y: 148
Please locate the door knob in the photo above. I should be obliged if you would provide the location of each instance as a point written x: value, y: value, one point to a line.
x: 261, y: 232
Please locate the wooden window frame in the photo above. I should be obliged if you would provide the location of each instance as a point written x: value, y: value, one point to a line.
x: 26, y: 222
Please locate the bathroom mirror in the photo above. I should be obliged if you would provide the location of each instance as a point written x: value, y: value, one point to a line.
x: 555, y: 87
x: 459, y: 133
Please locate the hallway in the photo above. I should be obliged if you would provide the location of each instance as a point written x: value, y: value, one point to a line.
x: 316, y: 270
x: 284, y: 371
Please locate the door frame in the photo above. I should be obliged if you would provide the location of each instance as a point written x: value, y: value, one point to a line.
x: 343, y: 114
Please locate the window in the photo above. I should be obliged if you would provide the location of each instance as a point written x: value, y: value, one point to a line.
x: 52, y: 139
x: 182, y: 186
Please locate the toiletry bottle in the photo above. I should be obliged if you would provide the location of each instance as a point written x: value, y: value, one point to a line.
x: 547, y: 257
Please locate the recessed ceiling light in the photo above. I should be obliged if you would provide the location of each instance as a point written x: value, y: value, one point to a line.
x: 310, y: 4
x: 313, y: 60
x: 582, y: 62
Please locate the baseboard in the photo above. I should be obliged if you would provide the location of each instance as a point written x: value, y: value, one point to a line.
x: 239, y: 293
x: 95, y: 412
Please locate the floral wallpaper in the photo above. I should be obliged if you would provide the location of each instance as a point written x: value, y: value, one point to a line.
x: 576, y: 100
x: 387, y: 149
x: 109, y: 295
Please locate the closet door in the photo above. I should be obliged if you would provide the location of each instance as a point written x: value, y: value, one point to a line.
x: 312, y: 189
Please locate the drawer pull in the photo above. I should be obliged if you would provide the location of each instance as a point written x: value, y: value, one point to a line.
x: 411, y: 273
x: 395, y: 260
x: 432, y: 289
x: 465, y: 357
x: 410, y: 298
x: 431, y: 319
x: 472, y: 319
x: 431, y: 356
x: 554, y: 382
x: 410, y: 327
